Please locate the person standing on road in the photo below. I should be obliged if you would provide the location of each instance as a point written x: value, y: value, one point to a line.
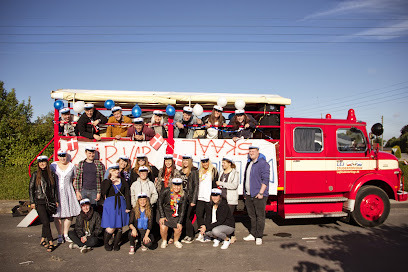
x: 87, y: 183
x: 143, y: 185
x: 65, y: 172
x: 88, y: 123
x: 256, y: 192
x: 88, y: 230
x: 167, y: 173
x: 43, y: 191
x: 142, y: 160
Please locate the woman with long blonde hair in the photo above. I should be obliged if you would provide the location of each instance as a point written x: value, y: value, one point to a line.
x: 141, y: 223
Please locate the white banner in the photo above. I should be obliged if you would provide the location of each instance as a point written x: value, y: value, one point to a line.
x: 238, y: 151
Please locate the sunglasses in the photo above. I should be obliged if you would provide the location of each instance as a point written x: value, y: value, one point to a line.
x: 43, y: 160
x: 62, y: 155
x: 204, y: 161
x: 215, y: 194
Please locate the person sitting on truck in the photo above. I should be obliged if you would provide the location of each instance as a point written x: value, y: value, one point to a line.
x: 243, y: 125
x: 184, y: 123
x: 215, y: 119
x: 157, y: 123
x: 88, y: 122
x: 120, y: 130
x: 139, y: 131
x: 66, y: 126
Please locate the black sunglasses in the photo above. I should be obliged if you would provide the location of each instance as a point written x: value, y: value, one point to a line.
x: 213, y: 194
x: 62, y: 155
x: 204, y: 161
x: 43, y: 160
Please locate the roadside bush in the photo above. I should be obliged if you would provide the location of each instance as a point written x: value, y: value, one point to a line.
x: 396, y: 153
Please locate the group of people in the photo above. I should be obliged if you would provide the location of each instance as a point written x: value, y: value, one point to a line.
x: 241, y: 126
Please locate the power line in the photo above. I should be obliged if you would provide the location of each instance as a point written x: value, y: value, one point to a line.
x: 210, y: 41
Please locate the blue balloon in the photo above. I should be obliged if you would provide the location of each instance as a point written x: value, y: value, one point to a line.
x: 231, y: 115
x: 136, y: 111
x: 170, y: 110
x: 58, y: 105
x: 109, y: 104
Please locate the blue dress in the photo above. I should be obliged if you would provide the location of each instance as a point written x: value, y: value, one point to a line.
x: 114, y: 216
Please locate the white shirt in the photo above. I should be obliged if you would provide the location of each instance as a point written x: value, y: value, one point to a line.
x: 205, y: 186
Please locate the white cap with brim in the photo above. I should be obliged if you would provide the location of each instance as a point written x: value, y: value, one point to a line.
x: 113, y: 166
x: 216, y: 191
x: 84, y: 201
x: 42, y: 158
x: 141, y: 155
x: 188, y: 109
x: 61, y: 152
x: 253, y: 146
x: 177, y: 181
x: 116, y: 108
x: 124, y: 157
x: 187, y: 156
x: 157, y: 112
x: 226, y: 158
x: 143, y: 168
x: 168, y: 156
x: 205, y: 158
x: 142, y: 195
x: 90, y: 148
x: 239, y: 111
x: 89, y: 106
x: 138, y: 120
x: 218, y: 108
x: 64, y: 110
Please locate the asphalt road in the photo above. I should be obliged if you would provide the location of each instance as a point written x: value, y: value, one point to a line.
x: 291, y: 245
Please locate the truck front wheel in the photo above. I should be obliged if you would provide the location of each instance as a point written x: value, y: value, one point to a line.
x: 372, y: 207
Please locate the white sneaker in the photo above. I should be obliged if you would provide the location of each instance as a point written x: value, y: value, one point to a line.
x: 67, y: 239
x: 216, y: 243
x: 85, y: 249
x: 178, y: 244
x: 73, y: 246
x: 163, y: 244
x: 200, y: 238
x: 258, y: 241
x: 187, y: 240
x: 225, y: 245
x: 250, y: 237
x: 144, y: 248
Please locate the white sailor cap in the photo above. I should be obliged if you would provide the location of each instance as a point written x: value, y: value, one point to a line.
x: 138, y: 120
x: 226, y: 158
x: 168, y: 156
x: 116, y: 108
x: 158, y: 112
x: 216, y: 191
x: 218, y: 108
x: 84, y: 201
x: 204, y: 158
x: 89, y: 106
x: 61, y: 152
x: 188, y: 109
x: 143, y: 168
x: 90, y: 148
x: 113, y: 166
x: 142, y: 195
x: 177, y: 181
x: 141, y: 155
x: 124, y: 157
x: 64, y: 110
x: 239, y: 111
x: 42, y: 158
x: 187, y: 156
x: 253, y: 146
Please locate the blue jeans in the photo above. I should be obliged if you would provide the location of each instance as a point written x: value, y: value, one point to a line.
x: 91, y: 194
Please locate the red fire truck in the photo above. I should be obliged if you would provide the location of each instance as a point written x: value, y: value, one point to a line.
x: 323, y: 167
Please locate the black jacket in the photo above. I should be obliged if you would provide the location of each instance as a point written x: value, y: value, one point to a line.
x: 152, y: 175
x: 192, y: 186
x: 246, y: 133
x: 94, y: 226
x: 220, y: 125
x: 36, y: 192
x: 133, y: 220
x: 107, y: 190
x: 224, y: 216
x: 164, y: 202
x: 87, y: 130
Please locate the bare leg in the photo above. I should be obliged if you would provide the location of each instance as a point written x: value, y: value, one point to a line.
x: 67, y: 224
x: 58, y: 225
x: 177, y: 233
x: 163, y: 232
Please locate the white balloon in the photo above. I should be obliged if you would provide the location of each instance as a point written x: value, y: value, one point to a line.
x: 79, y: 106
x: 240, y: 104
x: 222, y: 101
x: 198, y: 110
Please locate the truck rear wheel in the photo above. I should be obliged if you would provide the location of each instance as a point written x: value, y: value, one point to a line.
x: 372, y: 207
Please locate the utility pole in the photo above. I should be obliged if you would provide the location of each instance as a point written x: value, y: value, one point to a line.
x: 382, y: 135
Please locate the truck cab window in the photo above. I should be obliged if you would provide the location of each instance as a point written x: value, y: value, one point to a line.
x: 308, y: 140
x: 351, y: 140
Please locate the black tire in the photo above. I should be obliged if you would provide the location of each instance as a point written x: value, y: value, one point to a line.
x: 372, y: 207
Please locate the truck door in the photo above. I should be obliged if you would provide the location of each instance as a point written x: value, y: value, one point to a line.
x: 306, y: 161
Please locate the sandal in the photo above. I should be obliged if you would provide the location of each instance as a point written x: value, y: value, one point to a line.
x: 51, y: 248
x: 43, y: 243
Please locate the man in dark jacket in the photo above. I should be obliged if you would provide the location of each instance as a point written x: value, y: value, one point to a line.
x: 256, y: 192
x: 88, y: 122
x: 88, y: 230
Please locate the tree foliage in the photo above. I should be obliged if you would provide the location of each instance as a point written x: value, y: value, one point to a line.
x: 401, y: 141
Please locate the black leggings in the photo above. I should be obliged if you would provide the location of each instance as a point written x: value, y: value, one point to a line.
x: 91, y: 241
x: 189, y: 223
x: 140, y: 235
x: 202, y: 209
x: 45, y: 219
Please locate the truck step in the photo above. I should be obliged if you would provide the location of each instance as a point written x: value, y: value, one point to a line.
x: 315, y: 215
x: 315, y: 200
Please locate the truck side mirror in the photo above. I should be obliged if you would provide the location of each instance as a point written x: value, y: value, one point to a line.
x: 377, y: 129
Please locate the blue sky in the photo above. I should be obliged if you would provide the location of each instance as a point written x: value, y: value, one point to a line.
x: 327, y: 56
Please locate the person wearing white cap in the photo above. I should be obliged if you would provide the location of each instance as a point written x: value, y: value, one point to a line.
x: 215, y: 119
x: 66, y: 126
x: 44, y: 198
x: 166, y: 173
x: 220, y: 223
x: 243, y: 125
x: 88, y: 179
x: 139, y: 131
x: 116, y: 207
x: 157, y: 123
x: 141, y: 224
x: 172, y: 204
x: 68, y: 207
x: 143, y: 160
x: 119, y: 130
x: 88, y: 122
x: 207, y: 177
x: 87, y: 233
x: 143, y: 185
x: 228, y: 182
x: 256, y: 192
x: 184, y: 122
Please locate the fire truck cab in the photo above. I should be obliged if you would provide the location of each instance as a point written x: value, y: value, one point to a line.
x: 323, y: 167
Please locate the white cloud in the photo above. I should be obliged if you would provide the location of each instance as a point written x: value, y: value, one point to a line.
x: 385, y: 33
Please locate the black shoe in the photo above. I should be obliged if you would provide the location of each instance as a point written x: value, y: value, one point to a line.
x: 116, y: 241
x: 106, y: 238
